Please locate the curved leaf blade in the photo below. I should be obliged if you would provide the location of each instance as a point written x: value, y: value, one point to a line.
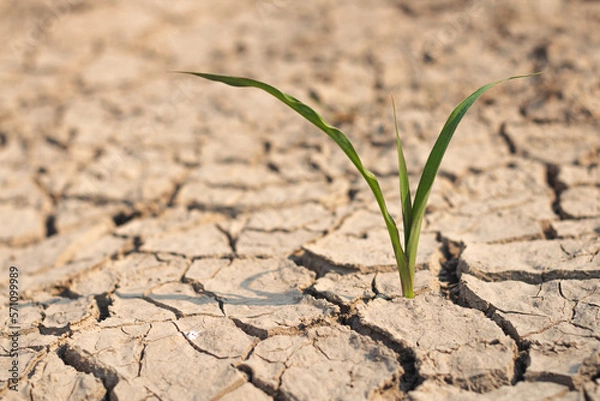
x: 344, y: 143
x: 433, y: 163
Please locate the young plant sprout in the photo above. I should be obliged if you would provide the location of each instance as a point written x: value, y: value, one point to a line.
x: 413, y: 211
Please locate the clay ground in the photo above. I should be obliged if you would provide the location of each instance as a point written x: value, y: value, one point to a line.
x: 177, y: 239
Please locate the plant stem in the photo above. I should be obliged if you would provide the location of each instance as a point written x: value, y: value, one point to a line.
x: 407, y: 274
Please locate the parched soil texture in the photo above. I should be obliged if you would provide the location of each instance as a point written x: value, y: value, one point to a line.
x: 169, y: 238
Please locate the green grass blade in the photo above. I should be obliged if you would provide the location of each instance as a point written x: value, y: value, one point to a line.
x: 405, y: 198
x: 433, y: 163
x: 343, y: 142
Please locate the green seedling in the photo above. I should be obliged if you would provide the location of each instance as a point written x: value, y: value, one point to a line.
x: 413, y: 211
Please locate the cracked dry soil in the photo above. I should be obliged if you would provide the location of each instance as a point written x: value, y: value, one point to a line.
x: 180, y: 240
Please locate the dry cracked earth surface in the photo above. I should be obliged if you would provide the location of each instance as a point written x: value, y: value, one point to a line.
x: 176, y: 239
